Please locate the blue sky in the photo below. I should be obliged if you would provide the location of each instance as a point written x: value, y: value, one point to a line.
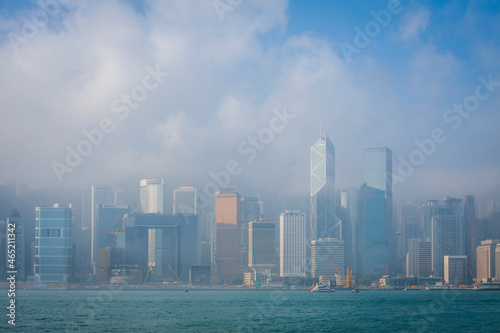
x: 228, y: 75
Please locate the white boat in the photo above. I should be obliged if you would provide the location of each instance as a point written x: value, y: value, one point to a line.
x: 322, y: 288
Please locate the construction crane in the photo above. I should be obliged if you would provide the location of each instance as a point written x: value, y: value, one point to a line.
x: 116, y: 233
x: 385, y: 273
x: 471, y: 273
x: 147, y: 274
x: 254, y: 266
x: 174, y: 273
x: 119, y: 279
x: 345, y: 282
x: 218, y: 268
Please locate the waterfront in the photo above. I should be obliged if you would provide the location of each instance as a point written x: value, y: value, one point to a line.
x: 253, y: 311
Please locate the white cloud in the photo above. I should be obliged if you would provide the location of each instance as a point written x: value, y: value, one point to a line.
x: 414, y: 23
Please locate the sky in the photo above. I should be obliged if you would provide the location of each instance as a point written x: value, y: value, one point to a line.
x: 110, y: 92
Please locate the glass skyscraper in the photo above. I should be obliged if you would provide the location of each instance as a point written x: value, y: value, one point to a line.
x: 152, y: 195
x: 185, y: 200
x: 378, y: 175
x: 53, y: 243
x: 324, y: 222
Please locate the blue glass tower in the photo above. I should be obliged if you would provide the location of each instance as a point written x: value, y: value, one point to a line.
x: 53, y: 244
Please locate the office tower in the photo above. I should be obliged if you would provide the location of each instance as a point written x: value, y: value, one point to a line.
x: 250, y: 211
x: 455, y: 270
x: 91, y: 199
x: 486, y: 259
x: 227, y: 219
x: 432, y: 209
x: 348, y: 213
x: 152, y: 195
x: 419, y: 259
x: 162, y: 244
x: 324, y: 222
x: 470, y: 226
x: 185, y: 200
x: 447, y: 234
x: 293, y: 244
x: 53, y: 243
x: 409, y: 227
x: 108, y: 225
x: 371, y: 236
x: 378, y: 175
x: 261, y: 247
x: 323, y: 251
x: 16, y: 222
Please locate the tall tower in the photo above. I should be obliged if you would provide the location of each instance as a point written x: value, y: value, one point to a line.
x: 324, y: 222
x: 471, y: 241
x: 293, y: 244
x: 153, y: 195
x: 227, y: 216
x: 185, y: 200
x: 53, y: 244
x: 378, y: 175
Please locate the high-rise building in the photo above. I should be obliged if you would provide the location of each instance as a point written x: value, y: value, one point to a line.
x: 486, y: 259
x: 348, y: 213
x: 227, y: 219
x: 152, y: 195
x: 419, y: 259
x: 371, y: 241
x: 323, y: 252
x: 250, y: 211
x: 53, y: 243
x: 324, y: 222
x: 470, y: 226
x: 378, y: 175
x: 185, y: 200
x: 262, y: 246
x: 91, y: 199
x: 162, y: 244
x: 292, y: 244
x: 17, y: 221
x: 447, y: 234
x: 107, y: 225
x: 455, y: 269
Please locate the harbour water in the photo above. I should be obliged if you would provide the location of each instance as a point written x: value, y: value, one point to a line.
x: 252, y: 311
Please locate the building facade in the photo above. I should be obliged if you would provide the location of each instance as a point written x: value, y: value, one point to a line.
x: 470, y: 226
x: 455, y: 270
x: 419, y: 258
x: 152, y: 195
x: 185, y: 200
x: 486, y: 263
x: 53, y: 243
x: 324, y: 222
x: 17, y: 221
x: 323, y: 252
x: 293, y: 244
x: 227, y: 219
x: 262, y: 246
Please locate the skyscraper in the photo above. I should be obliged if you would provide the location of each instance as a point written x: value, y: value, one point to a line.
x: 53, y: 243
x: 419, y: 262
x: 447, y: 234
x: 323, y: 251
x: 292, y: 244
x: 370, y: 234
x: 185, y: 200
x: 378, y: 175
x: 486, y: 259
x: 261, y: 246
x: 227, y: 219
x: 108, y: 223
x: 152, y: 195
x: 470, y: 225
x: 250, y: 211
x: 324, y: 222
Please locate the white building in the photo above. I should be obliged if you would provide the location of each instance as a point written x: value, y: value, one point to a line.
x: 153, y: 195
x: 292, y: 244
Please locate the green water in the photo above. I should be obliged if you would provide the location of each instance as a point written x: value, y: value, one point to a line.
x: 252, y: 311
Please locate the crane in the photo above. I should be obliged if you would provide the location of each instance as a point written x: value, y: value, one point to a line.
x: 254, y: 266
x: 174, y: 273
x: 218, y: 268
x: 386, y: 270
x: 345, y: 283
x: 471, y: 274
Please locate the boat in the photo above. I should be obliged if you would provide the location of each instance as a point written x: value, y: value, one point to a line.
x: 322, y: 288
x: 355, y: 291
